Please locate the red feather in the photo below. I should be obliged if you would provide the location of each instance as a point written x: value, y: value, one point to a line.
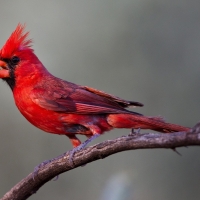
x: 61, y: 107
x: 17, y: 41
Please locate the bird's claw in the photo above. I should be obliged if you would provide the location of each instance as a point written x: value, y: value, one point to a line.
x: 174, y: 149
x: 71, y: 155
x: 37, y: 168
x: 133, y: 131
x: 80, y: 147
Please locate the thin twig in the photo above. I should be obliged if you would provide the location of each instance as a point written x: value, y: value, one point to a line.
x: 28, y: 186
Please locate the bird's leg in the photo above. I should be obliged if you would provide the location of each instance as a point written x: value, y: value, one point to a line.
x: 81, y: 146
x: 72, y: 152
x: 74, y: 140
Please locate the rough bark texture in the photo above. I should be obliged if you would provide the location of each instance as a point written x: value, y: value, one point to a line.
x: 29, y: 185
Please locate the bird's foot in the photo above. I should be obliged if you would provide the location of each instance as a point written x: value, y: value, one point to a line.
x: 71, y: 155
x: 37, y: 168
x: 133, y: 131
x: 80, y: 147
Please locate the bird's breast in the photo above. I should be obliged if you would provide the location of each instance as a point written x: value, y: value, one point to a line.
x: 42, y: 118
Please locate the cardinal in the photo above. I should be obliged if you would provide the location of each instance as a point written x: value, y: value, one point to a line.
x: 60, y: 107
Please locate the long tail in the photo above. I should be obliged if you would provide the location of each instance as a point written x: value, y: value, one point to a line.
x: 137, y: 121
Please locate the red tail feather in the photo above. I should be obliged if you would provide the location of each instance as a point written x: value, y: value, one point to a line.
x: 136, y: 121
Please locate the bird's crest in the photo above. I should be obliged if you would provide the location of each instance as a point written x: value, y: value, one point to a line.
x: 17, y: 41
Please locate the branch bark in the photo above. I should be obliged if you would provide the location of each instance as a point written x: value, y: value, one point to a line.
x: 28, y: 186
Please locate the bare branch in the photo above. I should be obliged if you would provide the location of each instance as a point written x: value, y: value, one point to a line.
x: 28, y: 186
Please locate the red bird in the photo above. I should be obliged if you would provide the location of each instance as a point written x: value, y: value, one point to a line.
x: 60, y: 107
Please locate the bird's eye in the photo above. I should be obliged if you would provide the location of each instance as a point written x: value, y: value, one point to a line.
x: 15, y: 60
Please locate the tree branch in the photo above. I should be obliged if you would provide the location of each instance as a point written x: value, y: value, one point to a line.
x: 28, y: 186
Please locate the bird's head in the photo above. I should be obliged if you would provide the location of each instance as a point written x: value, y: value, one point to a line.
x: 17, y: 59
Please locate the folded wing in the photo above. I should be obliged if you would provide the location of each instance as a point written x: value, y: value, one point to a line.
x: 71, y: 98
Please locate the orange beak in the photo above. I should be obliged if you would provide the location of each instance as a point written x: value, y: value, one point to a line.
x: 4, y: 72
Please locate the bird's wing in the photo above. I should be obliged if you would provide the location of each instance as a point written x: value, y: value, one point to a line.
x: 71, y: 98
x: 122, y: 102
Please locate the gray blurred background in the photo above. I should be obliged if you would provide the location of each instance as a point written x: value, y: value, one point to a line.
x: 147, y: 51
